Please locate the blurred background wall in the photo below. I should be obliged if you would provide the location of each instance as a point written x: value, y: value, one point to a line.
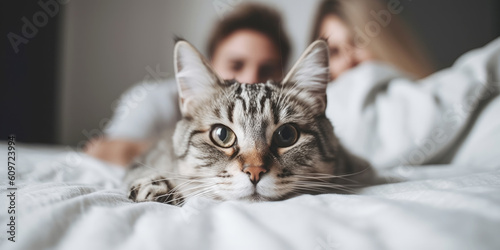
x: 61, y: 86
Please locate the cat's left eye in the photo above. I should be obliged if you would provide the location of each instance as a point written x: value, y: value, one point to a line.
x: 286, y: 136
x: 222, y: 136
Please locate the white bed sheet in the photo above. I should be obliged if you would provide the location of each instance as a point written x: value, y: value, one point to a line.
x: 68, y: 200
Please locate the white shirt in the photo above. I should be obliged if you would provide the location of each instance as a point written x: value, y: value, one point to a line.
x: 145, y: 110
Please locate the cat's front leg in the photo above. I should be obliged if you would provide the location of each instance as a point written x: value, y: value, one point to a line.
x: 156, y: 188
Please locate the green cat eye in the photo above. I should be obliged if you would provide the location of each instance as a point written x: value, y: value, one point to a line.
x: 222, y: 136
x: 286, y: 136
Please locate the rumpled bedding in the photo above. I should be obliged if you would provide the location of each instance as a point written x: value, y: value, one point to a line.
x: 67, y: 200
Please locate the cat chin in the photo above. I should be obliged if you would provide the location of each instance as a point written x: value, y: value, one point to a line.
x: 256, y: 197
x: 250, y: 195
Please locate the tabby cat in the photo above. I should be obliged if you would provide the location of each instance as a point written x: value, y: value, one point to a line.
x: 253, y: 142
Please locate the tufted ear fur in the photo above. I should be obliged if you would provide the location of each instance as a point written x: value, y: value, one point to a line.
x: 195, y: 77
x: 311, y: 74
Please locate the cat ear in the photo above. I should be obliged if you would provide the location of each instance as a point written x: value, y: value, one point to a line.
x: 311, y: 74
x: 195, y: 77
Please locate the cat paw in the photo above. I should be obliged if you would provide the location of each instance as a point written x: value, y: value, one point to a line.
x: 154, y: 189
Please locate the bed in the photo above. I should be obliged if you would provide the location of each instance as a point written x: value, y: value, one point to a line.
x: 68, y: 200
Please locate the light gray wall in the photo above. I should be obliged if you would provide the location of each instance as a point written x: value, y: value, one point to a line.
x: 110, y: 45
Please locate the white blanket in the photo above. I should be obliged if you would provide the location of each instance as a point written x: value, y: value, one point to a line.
x: 81, y: 206
x: 67, y: 200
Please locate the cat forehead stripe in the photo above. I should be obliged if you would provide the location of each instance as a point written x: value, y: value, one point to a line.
x: 262, y: 101
x: 255, y: 96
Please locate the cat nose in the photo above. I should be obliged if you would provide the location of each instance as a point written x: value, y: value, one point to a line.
x: 254, y: 172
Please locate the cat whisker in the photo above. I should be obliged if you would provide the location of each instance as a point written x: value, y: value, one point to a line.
x: 195, y: 187
x: 306, y: 190
x: 312, y: 185
x: 323, y: 183
x: 310, y: 190
x: 343, y: 177
x: 211, y: 196
x: 203, y: 192
x: 329, y: 180
x: 172, y: 201
x: 326, y: 186
x: 165, y: 179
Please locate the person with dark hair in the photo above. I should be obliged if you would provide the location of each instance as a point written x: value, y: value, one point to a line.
x: 258, y: 29
x: 249, y: 45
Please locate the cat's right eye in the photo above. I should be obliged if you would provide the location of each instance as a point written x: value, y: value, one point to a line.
x: 286, y: 136
x: 222, y: 136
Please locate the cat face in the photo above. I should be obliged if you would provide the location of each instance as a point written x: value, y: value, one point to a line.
x: 264, y: 141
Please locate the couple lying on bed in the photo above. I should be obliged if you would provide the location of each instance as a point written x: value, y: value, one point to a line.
x: 381, y: 100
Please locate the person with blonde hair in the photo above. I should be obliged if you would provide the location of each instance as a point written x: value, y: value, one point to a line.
x: 385, y: 104
x: 361, y: 30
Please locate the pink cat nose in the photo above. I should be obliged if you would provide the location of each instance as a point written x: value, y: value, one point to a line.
x: 254, y: 173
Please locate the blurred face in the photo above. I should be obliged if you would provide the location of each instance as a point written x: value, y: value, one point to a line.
x: 343, y: 54
x: 247, y: 56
